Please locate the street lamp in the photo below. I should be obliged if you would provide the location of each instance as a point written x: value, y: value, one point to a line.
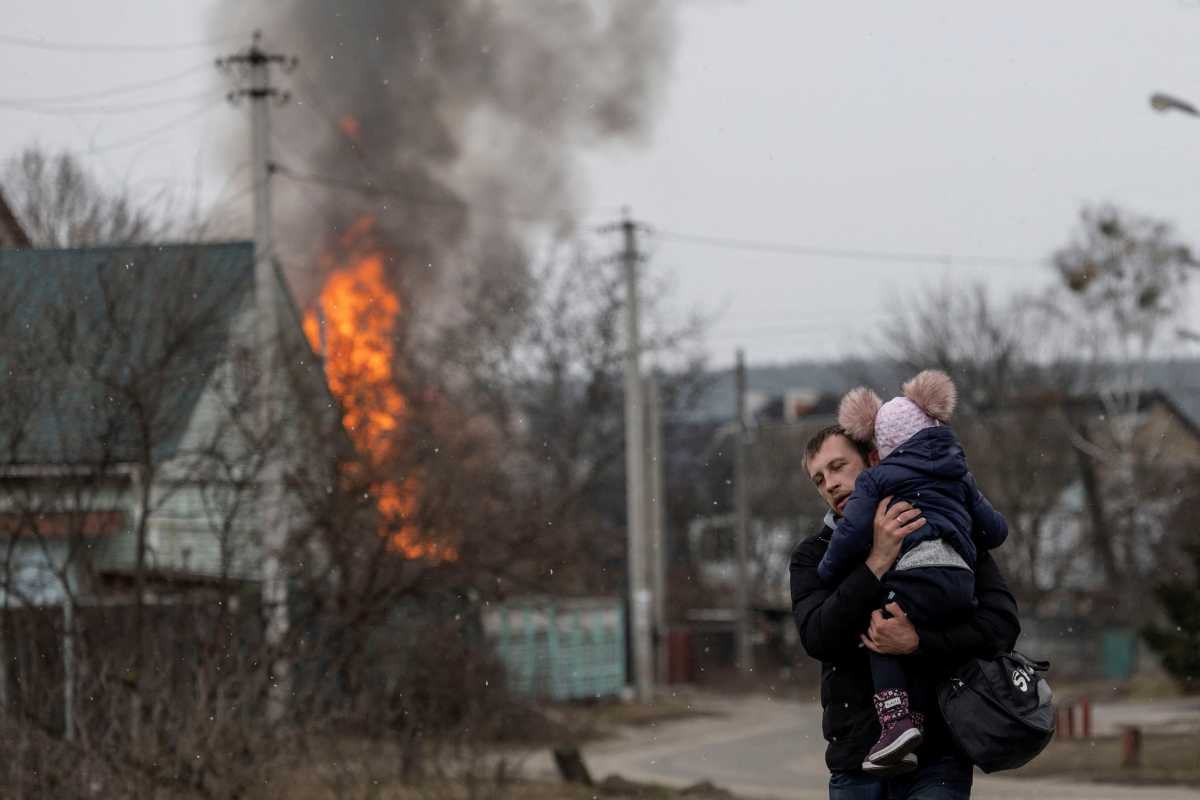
x: 1165, y: 102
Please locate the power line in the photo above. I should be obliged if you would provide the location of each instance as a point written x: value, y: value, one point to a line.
x: 116, y: 90
x: 90, y: 110
x: 107, y: 47
x: 780, y: 248
x: 410, y: 198
x: 155, y: 132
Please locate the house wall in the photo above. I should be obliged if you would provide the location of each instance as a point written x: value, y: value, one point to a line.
x: 188, y: 532
x: 77, y: 521
x: 203, y: 524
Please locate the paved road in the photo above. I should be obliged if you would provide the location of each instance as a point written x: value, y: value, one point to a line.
x: 763, y: 748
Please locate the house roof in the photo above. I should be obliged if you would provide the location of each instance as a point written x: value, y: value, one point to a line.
x: 108, y: 349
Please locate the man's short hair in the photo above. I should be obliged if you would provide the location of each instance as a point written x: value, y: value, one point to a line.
x: 819, y: 438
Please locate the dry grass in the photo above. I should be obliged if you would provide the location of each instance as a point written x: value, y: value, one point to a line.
x: 349, y: 768
x: 663, y: 709
x: 577, y: 723
x: 1166, y: 759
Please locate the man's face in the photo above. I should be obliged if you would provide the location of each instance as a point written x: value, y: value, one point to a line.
x: 834, y: 469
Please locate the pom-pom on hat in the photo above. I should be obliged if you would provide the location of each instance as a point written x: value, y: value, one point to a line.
x: 928, y: 401
x: 856, y: 414
x: 933, y: 392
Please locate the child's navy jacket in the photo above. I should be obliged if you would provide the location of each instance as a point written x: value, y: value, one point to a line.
x: 929, y: 471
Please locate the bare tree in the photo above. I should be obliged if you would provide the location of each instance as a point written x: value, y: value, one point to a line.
x: 539, y: 364
x: 61, y: 204
x: 1009, y: 417
x: 1054, y: 395
x: 1123, y: 281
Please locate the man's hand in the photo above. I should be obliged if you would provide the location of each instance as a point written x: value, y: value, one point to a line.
x: 891, y: 637
x: 891, y: 526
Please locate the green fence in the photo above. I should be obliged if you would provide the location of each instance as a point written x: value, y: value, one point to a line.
x: 1118, y: 649
x: 561, y: 649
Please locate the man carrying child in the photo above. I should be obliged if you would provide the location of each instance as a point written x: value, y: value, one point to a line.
x: 840, y: 623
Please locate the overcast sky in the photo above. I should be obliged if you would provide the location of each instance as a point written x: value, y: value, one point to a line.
x: 914, y: 127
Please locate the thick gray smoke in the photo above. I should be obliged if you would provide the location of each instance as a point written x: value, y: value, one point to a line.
x: 466, y: 116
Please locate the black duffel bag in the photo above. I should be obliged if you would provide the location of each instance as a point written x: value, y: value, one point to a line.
x: 999, y: 710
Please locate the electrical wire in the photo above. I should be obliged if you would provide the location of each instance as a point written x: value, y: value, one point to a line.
x: 121, y: 109
x: 116, y: 90
x: 105, y: 47
x: 409, y: 198
x: 780, y: 248
x: 155, y: 132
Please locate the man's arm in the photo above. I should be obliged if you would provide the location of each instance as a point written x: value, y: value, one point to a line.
x: 992, y: 629
x: 829, y: 621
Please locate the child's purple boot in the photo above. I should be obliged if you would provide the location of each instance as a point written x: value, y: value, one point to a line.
x: 899, y: 734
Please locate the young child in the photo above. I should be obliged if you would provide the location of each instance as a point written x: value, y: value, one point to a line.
x: 918, y: 459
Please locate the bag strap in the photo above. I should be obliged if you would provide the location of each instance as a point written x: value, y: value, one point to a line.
x: 1039, y: 666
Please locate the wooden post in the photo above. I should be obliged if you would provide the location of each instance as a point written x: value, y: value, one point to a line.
x: 1085, y: 721
x: 1131, y: 746
x: 571, y: 765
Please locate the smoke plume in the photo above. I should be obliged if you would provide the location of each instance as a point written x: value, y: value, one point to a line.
x: 456, y: 124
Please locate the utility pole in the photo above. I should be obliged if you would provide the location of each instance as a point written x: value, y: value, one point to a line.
x: 254, y: 64
x: 68, y: 659
x: 635, y: 464
x: 656, y: 515
x: 745, y: 663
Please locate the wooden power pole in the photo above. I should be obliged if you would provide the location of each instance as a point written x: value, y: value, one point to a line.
x: 656, y: 517
x: 745, y: 663
x: 254, y: 64
x: 635, y: 474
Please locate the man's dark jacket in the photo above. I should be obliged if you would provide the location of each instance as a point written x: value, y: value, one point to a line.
x: 830, y: 621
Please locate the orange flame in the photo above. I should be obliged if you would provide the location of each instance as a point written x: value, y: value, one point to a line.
x: 353, y: 325
x: 350, y: 126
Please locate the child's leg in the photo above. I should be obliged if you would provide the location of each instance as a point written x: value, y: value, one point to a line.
x: 932, y: 597
x: 898, y: 733
x: 888, y: 673
x: 922, y: 697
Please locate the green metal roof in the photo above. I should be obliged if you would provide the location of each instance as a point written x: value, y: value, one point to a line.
x: 105, y: 351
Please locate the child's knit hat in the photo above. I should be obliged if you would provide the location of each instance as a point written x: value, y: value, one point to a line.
x: 928, y: 401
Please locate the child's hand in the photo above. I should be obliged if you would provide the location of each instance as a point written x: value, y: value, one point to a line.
x: 891, y: 636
